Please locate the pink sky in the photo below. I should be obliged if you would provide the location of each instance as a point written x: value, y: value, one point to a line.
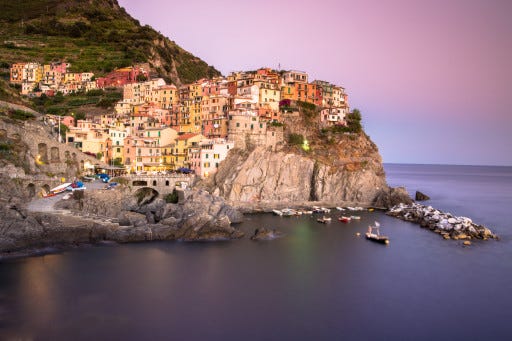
x: 430, y: 78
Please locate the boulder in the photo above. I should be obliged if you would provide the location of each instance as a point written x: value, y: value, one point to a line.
x: 266, y: 234
x: 390, y: 197
x: 421, y: 196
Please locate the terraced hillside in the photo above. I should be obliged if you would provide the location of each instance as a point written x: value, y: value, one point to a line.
x: 92, y: 35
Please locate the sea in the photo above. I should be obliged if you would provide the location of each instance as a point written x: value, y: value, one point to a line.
x: 318, y: 282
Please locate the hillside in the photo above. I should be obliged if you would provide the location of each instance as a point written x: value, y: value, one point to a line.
x: 92, y: 35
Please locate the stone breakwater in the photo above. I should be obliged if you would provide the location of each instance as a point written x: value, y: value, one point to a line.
x: 446, y: 224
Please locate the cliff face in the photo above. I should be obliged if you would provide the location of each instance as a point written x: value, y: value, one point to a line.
x: 346, y: 172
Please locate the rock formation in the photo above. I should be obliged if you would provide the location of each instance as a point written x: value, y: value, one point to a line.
x: 266, y: 234
x: 446, y: 224
x: 421, y: 196
x: 349, y: 172
x: 119, y: 216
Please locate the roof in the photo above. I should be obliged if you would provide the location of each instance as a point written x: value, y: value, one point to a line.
x: 186, y: 136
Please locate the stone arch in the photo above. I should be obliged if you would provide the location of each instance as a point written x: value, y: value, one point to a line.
x: 42, y: 152
x: 167, y: 182
x: 139, y: 183
x: 73, y: 156
x: 67, y: 155
x: 45, y: 188
x: 146, y: 195
x: 31, y: 190
x: 154, y: 182
x: 54, y: 154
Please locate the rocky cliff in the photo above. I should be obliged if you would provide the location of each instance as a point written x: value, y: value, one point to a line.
x: 346, y: 172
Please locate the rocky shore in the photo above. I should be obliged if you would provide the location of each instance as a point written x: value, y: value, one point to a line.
x: 120, y: 216
x: 446, y: 224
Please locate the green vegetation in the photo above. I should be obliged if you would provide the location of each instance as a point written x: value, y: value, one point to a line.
x: 20, y: 115
x: 96, y: 36
x: 306, y: 105
x: 276, y: 124
x: 65, y: 105
x: 295, y: 139
x: 172, y: 198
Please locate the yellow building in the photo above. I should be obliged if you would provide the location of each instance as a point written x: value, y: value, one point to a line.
x: 166, y: 97
x: 182, y: 145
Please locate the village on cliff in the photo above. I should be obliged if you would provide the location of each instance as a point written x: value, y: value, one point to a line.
x: 159, y: 127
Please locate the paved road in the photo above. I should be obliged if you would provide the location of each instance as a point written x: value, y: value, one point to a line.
x: 48, y: 204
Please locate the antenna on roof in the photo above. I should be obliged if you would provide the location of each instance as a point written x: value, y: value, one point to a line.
x: 279, y: 67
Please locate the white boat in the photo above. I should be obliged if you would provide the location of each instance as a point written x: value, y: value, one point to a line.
x: 60, y: 188
x: 355, y: 217
x: 374, y: 234
x: 288, y: 212
x: 340, y: 208
x: 324, y: 220
x: 277, y: 212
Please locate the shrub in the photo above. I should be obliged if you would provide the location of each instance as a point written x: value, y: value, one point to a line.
x: 172, y: 198
x: 295, y: 139
x: 21, y: 115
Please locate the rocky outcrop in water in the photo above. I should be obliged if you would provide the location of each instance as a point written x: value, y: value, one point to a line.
x: 419, y: 196
x: 390, y: 197
x: 263, y: 233
x: 446, y: 224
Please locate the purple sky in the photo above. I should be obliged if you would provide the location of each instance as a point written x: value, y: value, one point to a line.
x: 430, y: 77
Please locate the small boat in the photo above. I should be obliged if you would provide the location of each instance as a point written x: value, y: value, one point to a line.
x: 307, y: 212
x: 340, y: 208
x: 277, y: 212
x: 371, y: 209
x: 355, y: 217
x: 288, y: 212
x: 60, y: 188
x: 324, y: 220
x: 374, y: 234
x: 344, y: 219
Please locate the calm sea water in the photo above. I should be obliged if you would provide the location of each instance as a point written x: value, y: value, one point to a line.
x: 319, y: 282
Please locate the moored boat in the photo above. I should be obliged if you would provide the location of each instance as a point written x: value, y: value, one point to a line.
x: 374, y: 234
x: 324, y: 220
x: 288, y: 212
x: 344, y: 219
x: 355, y: 217
x: 277, y: 212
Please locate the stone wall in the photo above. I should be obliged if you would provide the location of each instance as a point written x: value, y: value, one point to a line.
x: 44, y: 154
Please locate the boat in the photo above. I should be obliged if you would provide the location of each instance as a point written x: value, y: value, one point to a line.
x: 371, y: 209
x: 324, y: 220
x: 287, y: 212
x: 60, y: 188
x: 355, y: 217
x: 344, y: 219
x: 340, y: 208
x: 374, y: 234
x: 277, y: 212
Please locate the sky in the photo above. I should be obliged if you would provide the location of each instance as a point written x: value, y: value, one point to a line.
x: 431, y: 78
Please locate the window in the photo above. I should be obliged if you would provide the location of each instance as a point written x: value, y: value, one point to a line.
x: 118, y: 150
x: 205, y: 156
x: 216, y: 156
